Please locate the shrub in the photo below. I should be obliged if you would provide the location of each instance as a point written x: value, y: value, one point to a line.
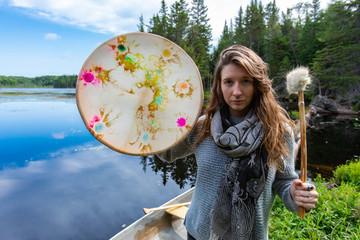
x: 336, y: 216
x: 294, y: 115
x: 349, y: 172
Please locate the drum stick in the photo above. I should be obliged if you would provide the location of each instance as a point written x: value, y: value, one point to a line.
x: 297, y: 80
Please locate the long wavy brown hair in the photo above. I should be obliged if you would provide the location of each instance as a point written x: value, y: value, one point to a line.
x: 273, y: 117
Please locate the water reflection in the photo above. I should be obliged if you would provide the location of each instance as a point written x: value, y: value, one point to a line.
x: 33, y: 126
x: 58, y: 182
x: 80, y: 193
x: 182, y: 171
x: 332, y: 140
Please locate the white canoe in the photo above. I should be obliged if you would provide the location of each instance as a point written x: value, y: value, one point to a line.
x: 158, y: 225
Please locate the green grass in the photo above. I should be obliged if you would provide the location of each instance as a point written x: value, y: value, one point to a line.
x: 349, y: 172
x: 336, y: 216
x: 294, y: 115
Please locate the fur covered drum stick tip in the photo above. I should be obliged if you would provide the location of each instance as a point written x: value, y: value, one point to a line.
x: 297, y: 80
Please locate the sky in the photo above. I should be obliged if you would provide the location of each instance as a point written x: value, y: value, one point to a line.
x: 47, y: 37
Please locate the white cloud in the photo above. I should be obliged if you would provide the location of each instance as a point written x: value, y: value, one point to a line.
x: 7, y: 186
x: 118, y: 17
x: 51, y: 36
x: 108, y: 16
x: 78, y: 195
x: 58, y: 135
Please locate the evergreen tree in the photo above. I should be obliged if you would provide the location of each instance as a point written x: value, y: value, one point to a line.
x: 337, y: 65
x: 277, y: 56
x: 290, y: 31
x: 254, y: 26
x: 155, y: 26
x: 198, y: 39
x: 179, y: 21
x: 159, y: 23
x: 302, y: 11
x: 309, y: 42
x: 315, y: 12
x: 164, y: 21
x: 226, y: 40
x: 141, y: 26
x: 272, y: 20
x: 275, y: 45
x: 239, y: 28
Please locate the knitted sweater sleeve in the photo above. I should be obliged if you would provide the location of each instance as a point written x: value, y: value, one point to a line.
x: 284, y: 179
x: 181, y: 150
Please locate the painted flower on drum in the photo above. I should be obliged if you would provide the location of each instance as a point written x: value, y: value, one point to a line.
x: 143, y: 141
x: 88, y: 77
x: 183, y: 88
x: 99, y: 122
x: 169, y: 54
x: 129, y: 60
x: 181, y: 122
x: 96, y: 75
x: 94, y: 120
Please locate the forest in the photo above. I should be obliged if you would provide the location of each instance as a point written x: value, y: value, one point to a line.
x: 50, y: 81
x: 325, y: 40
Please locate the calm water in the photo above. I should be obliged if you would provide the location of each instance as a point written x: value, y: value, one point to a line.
x: 58, y: 182
x: 332, y: 140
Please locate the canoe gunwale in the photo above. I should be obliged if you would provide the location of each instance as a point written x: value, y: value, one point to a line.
x: 156, y: 223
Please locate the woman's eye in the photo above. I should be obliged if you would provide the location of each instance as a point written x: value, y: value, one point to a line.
x: 246, y: 81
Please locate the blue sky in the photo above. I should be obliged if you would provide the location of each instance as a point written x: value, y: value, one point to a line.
x: 49, y: 37
x: 34, y: 46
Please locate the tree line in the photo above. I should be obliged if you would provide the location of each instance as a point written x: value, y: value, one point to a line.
x: 325, y: 40
x: 50, y: 81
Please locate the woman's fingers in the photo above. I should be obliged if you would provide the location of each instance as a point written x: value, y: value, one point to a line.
x: 305, y: 198
x: 304, y: 194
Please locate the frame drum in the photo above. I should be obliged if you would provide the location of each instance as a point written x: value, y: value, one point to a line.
x: 139, y: 93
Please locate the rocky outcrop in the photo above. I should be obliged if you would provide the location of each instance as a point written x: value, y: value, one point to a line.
x: 323, y: 104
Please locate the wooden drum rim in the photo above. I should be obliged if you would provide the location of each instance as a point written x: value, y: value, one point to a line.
x: 139, y: 94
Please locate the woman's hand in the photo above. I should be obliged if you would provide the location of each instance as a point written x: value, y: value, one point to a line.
x: 304, y: 194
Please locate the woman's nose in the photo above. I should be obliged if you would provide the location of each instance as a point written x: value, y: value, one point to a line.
x: 237, y: 90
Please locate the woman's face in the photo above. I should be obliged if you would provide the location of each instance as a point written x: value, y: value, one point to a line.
x: 237, y: 88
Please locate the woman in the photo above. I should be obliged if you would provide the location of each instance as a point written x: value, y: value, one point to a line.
x: 244, y: 151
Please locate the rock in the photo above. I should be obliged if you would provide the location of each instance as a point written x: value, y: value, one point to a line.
x: 323, y: 104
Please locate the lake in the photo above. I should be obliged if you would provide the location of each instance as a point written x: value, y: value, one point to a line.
x: 58, y: 182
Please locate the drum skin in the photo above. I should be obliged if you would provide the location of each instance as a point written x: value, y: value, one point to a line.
x: 139, y: 93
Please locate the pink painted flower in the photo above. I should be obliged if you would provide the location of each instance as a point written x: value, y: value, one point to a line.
x: 88, y: 77
x: 96, y: 82
x: 96, y: 118
x: 93, y: 121
x: 181, y: 122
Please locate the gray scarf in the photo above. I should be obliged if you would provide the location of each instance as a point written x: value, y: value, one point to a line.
x: 244, y: 175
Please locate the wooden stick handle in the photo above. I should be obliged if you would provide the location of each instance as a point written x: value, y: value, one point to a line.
x: 147, y: 210
x: 303, y: 167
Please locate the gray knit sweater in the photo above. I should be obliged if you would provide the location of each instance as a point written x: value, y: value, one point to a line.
x: 210, y: 161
